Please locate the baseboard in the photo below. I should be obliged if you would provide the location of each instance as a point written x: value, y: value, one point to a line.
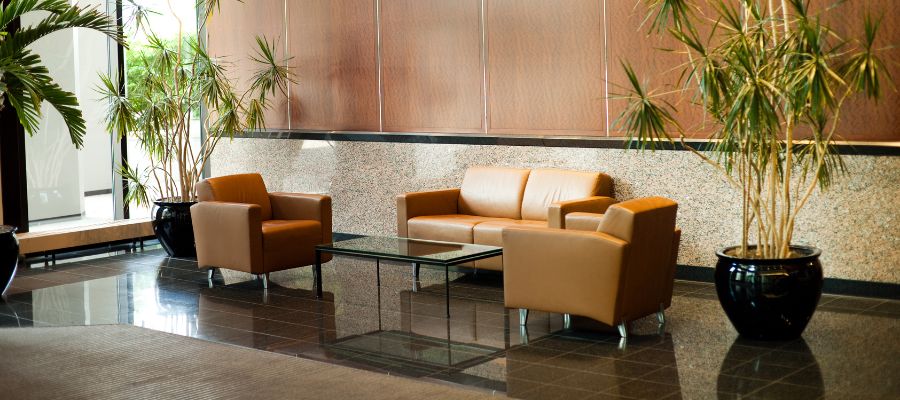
x: 97, y: 192
x: 838, y: 286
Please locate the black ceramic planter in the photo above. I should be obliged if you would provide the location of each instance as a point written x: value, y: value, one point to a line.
x: 9, y: 256
x: 770, y: 299
x: 173, y: 227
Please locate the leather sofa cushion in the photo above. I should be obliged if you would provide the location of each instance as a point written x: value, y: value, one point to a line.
x: 448, y: 228
x: 583, y: 221
x: 290, y: 243
x: 493, y: 192
x: 241, y: 188
x: 491, y: 233
x: 548, y: 186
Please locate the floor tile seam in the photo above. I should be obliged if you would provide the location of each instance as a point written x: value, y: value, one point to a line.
x: 245, y: 331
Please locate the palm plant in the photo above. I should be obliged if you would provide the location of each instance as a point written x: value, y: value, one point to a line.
x: 772, y: 79
x: 175, y: 80
x: 24, y: 81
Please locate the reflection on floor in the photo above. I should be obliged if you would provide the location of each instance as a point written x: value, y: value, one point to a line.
x: 850, y: 349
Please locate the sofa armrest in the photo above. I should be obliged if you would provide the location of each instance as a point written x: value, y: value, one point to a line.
x: 300, y: 206
x: 564, y: 271
x: 228, y: 235
x: 556, y: 217
x: 417, y: 204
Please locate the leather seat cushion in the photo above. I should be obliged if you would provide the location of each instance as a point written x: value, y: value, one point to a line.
x: 493, y: 192
x: 448, y: 228
x: 289, y: 244
x: 491, y: 233
x: 583, y: 221
x: 548, y: 186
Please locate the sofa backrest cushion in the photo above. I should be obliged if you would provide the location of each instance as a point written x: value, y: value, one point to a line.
x: 493, y: 192
x: 548, y: 186
x: 241, y: 188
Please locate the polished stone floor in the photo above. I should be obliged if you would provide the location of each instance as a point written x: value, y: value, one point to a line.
x: 851, y: 350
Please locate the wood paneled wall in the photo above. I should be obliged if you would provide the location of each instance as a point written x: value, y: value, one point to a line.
x: 543, y: 67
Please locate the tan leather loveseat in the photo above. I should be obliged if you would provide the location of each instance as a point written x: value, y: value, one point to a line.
x: 491, y: 199
x: 239, y: 225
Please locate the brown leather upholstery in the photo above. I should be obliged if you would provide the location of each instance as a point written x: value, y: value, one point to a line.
x: 491, y: 199
x: 621, y: 272
x: 231, y: 232
x: 449, y: 228
x: 491, y: 233
x: 557, y: 212
x: 549, y: 186
x: 241, y: 188
x: 493, y: 192
x: 583, y: 221
x: 411, y: 205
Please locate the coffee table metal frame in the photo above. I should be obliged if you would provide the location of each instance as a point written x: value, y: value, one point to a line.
x: 416, y: 261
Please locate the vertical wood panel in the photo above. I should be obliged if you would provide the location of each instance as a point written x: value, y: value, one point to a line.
x: 232, y: 35
x: 332, y: 43
x: 629, y: 41
x: 863, y: 119
x: 432, y: 66
x: 545, y: 66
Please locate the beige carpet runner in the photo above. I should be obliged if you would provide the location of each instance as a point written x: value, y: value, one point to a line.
x: 127, y: 362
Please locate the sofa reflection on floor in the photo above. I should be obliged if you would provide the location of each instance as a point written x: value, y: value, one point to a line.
x: 240, y: 321
x: 491, y: 199
x: 600, y: 368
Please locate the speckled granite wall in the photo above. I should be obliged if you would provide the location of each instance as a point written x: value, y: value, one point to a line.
x: 856, y: 223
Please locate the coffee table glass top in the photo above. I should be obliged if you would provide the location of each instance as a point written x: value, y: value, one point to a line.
x: 414, y: 250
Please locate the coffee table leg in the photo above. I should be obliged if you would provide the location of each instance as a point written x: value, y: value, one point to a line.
x: 318, y: 273
x: 447, y: 284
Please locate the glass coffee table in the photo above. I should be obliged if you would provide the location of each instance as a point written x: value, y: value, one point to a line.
x: 415, y: 251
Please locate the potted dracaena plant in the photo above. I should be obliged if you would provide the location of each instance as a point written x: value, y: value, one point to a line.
x: 173, y: 81
x: 25, y: 83
x: 772, y: 78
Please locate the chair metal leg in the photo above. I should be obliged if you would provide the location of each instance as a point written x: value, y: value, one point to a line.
x: 661, y: 314
x: 523, y: 316
x: 265, y: 280
x: 623, y: 329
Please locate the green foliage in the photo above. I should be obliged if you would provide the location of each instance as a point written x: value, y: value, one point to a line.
x: 24, y: 81
x: 169, y: 81
x: 767, y: 71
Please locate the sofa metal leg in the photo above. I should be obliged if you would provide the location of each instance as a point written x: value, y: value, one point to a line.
x: 209, y: 273
x: 265, y: 280
x: 567, y: 321
x: 523, y: 316
x: 623, y: 329
x: 661, y: 314
x: 415, y: 268
x: 523, y: 334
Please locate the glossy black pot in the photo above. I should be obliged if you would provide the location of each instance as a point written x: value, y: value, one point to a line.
x: 9, y: 256
x: 770, y: 299
x: 173, y: 227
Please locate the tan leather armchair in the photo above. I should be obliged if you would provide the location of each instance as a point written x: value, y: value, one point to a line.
x: 491, y: 199
x: 622, y: 271
x: 239, y: 225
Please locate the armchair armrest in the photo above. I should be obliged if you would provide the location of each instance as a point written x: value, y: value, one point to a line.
x: 300, y: 206
x: 417, y: 204
x: 228, y: 235
x: 556, y: 217
x: 564, y: 271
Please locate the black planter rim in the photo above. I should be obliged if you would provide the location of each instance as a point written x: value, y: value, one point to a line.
x: 174, y: 203
x: 806, y: 253
x: 4, y: 229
